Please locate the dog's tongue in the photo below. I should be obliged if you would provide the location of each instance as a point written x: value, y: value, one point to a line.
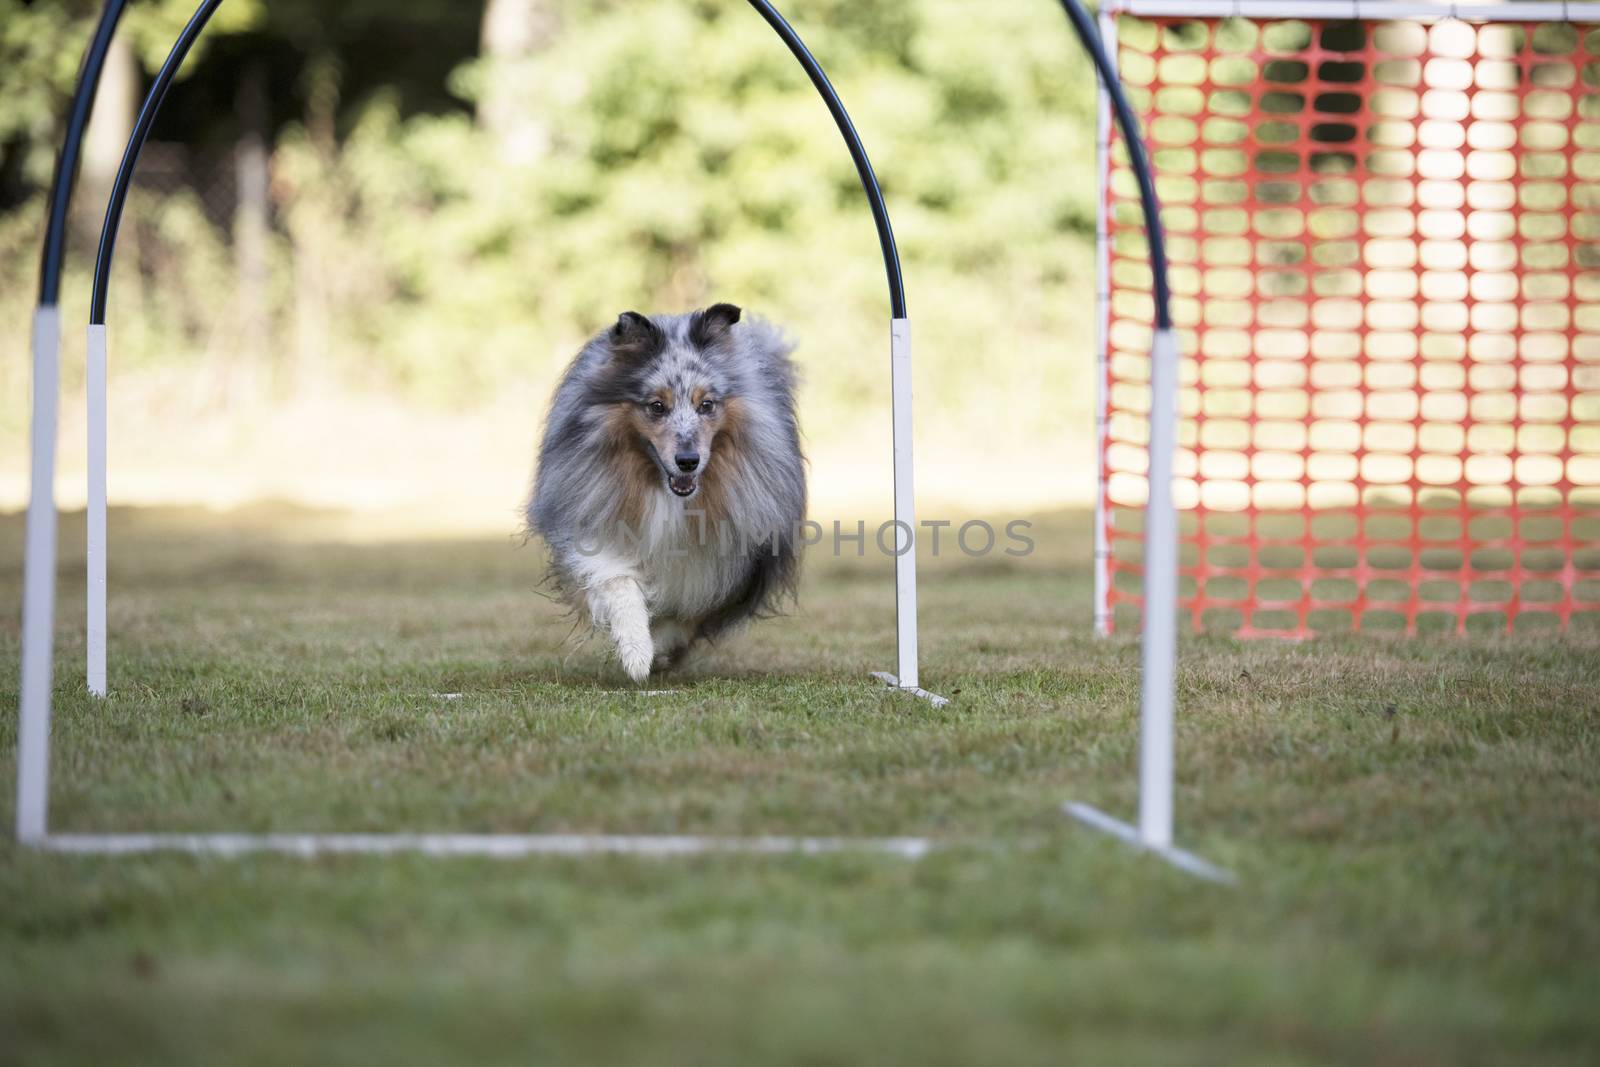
x: 682, y: 484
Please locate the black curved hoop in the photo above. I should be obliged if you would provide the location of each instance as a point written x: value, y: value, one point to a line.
x: 186, y: 39
x: 66, y: 173
x: 1134, y: 139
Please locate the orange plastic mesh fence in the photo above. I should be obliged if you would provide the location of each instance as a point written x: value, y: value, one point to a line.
x: 1385, y: 243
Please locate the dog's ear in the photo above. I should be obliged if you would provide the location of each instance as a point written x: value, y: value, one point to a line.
x: 635, y: 336
x: 712, y: 325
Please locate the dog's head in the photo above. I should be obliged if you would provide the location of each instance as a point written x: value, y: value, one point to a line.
x: 674, y: 388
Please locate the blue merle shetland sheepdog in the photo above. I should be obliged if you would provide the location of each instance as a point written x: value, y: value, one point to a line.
x: 671, y: 485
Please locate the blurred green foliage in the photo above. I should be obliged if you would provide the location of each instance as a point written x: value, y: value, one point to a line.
x: 683, y: 157
x: 41, y: 47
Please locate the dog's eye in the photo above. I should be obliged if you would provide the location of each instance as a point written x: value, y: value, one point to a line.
x: 707, y: 406
x: 656, y: 407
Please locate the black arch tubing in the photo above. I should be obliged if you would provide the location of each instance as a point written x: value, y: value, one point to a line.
x: 66, y: 174
x: 1137, y: 156
x: 185, y: 41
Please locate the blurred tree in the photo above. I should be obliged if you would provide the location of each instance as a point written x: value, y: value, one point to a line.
x: 40, y: 45
x: 514, y: 32
x: 116, y: 106
x: 251, y: 217
x: 380, y: 47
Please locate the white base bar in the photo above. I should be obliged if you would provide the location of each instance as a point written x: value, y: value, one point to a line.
x: 1187, y: 862
x: 1367, y: 10
x: 894, y: 683
x: 507, y: 846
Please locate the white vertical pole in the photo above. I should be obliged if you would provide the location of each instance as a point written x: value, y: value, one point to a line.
x: 97, y: 511
x: 39, y: 587
x: 905, y: 508
x: 1102, y: 427
x: 1160, y: 650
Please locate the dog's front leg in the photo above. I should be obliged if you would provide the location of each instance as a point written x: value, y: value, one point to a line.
x: 618, y: 604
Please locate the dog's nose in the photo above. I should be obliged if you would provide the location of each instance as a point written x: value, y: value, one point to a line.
x: 687, y: 461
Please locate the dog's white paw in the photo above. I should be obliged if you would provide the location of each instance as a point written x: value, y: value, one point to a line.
x: 636, y: 656
x: 630, y: 629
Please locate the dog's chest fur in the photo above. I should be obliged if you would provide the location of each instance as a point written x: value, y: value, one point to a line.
x: 687, y: 564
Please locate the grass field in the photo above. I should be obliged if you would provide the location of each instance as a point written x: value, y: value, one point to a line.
x: 1416, y: 827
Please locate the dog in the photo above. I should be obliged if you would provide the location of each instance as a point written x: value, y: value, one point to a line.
x: 671, y: 485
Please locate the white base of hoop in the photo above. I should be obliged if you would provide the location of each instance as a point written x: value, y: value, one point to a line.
x: 503, y: 846
x: 1187, y: 862
x: 894, y: 683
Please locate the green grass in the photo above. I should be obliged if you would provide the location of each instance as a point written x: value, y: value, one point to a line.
x: 1416, y: 887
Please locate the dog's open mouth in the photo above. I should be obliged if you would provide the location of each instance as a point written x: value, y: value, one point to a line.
x: 683, y: 484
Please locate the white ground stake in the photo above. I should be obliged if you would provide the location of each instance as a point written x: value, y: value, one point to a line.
x: 1160, y: 646
x: 1160, y: 650
x: 39, y: 587
x: 1160, y: 633
x: 905, y: 518
x: 96, y: 380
